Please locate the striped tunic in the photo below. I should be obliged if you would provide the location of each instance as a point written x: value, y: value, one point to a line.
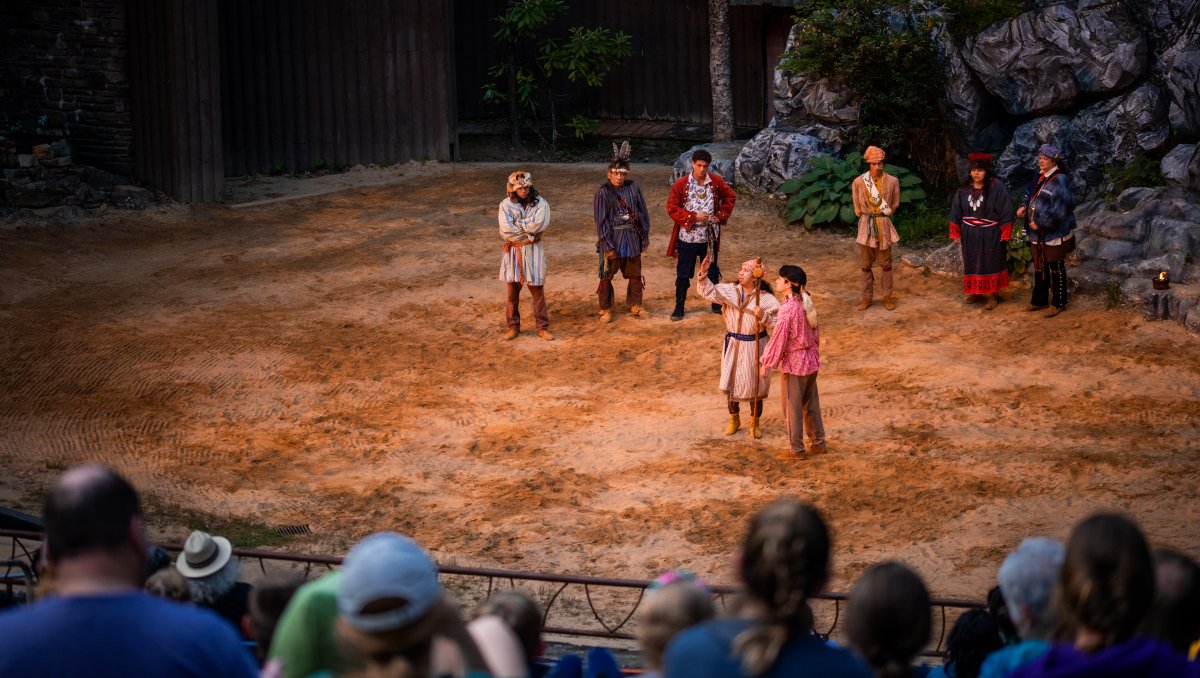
x: 622, y: 220
x: 522, y: 227
x: 739, y: 363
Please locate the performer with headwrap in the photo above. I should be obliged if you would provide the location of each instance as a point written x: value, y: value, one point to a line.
x: 524, y: 216
x: 876, y: 196
x: 1050, y: 228
x: 981, y: 219
x: 748, y: 312
x: 622, y: 233
x: 699, y: 205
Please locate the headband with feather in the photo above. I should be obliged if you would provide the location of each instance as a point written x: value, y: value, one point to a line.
x: 620, y: 156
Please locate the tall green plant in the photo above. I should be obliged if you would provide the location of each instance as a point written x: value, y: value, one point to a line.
x: 585, y: 56
x: 1017, y: 251
x: 823, y: 195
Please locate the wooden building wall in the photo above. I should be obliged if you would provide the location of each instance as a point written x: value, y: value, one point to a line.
x: 312, y: 83
x: 175, y: 94
x: 667, y: 78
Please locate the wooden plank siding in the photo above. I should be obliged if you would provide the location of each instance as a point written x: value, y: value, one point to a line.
x: 311, y: 83
x: 667, y: 78
x: 174, y: 66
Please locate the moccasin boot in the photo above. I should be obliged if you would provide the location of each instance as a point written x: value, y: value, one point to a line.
x: 545, y: 335
x: 755, y: 430
x: 890, y: 303
x: 992, y: 302
x: 605, y: 316
x: 735, y: 422
x: 511, y: 334
x: 864, y: 304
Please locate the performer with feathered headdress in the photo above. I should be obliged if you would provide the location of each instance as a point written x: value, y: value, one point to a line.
x: 622, y: 233
x: 981, y: 219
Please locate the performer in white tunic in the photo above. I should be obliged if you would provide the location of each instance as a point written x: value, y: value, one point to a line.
x: 749, y: 308
x: 524, y: 216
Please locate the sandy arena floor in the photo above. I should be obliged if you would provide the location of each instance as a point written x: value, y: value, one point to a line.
x: 337, y: 362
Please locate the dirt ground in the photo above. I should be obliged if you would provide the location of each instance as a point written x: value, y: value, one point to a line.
x: 336, y: 362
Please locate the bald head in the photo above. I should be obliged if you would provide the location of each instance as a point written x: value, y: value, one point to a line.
x: 89, y: 509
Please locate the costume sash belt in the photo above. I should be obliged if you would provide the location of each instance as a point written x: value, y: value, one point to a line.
x: 510, y: 246
x: 741, y: 337
x: 873, y: 230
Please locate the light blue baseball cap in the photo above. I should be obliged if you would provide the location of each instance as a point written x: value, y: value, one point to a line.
x: 387, y: 566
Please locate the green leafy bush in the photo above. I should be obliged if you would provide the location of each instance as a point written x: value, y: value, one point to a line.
x: 921, y: 223
x: 1018, y: 253
x: 1141, y: 172
x: 893, y: 72
x: 823, y: 195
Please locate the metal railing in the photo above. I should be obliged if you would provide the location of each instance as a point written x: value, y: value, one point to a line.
x: 574, y: 606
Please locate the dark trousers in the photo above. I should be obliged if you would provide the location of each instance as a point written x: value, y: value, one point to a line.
x: 755, y: 406
x: 1050, y: 285
x: 512, y: 309
x: 631, y: 268
x: 685, y: 268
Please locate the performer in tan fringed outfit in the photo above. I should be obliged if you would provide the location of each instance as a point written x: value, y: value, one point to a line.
x: 876, y: 195
x: 748, y: 308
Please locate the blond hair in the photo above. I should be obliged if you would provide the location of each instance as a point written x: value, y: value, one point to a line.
x: 667, y: 611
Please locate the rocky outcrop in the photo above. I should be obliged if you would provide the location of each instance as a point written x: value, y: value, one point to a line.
x: 1181, y: 74
x: 1018, y: 163
x: 1181, y: 167
x: 1046, y: 60
x: 1144, y: 232
x: 724, y: 157
x: 816, y: 107
x: 775, y: 155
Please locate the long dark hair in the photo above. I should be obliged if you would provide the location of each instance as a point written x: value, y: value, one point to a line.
x: 888, y: 619
x: 1106, y: 584
x: 531, y: 200
x: 785, y: 561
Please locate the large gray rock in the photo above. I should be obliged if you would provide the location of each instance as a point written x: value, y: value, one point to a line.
x: 129, y: 197
x: 1115, y: 131
x: 724, y: 156
x: 1180, y: 67
x: 1167, y: 20
x: 972, y: 108
x: 1043, y: 61
x: 818, y: 107
x: 1018, y: 163
x: 946, y: 260
x: 1143, y: 233
x: 775, y: 155
x: 1176, y: 163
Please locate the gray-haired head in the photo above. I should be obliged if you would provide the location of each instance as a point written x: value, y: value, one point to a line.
x: 1027, y: 579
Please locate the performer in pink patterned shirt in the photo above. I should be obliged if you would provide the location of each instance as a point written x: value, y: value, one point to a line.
x: 794, y: 350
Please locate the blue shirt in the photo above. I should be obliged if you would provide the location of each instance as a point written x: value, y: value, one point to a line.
x: 706, y: 651
x: 119, y: 635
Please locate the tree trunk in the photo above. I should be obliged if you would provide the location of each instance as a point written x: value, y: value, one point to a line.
x: 719, y: 69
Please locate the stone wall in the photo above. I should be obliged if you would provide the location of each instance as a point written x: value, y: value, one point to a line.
x: 64, y: 77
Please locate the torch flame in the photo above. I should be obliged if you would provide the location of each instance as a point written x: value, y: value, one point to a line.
x: 1162, y: 275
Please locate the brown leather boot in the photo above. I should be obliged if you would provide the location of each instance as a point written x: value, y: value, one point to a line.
x: 755, y: 430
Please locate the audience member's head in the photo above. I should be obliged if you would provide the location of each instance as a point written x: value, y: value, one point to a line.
x: 265, y: 606
x: 94, y: 536
x: 168, y: 583
x: 888, y: 619
x: 521, y: 613
x: 393, y: 614
x: 674, y: 602
x: 997, y: 608
x: 1106, y: 584
x: 209, y: 565
x: 1175, y: 615
x: 784, y: 561
x: 972, y: 638
x: 1027, y: 579
x: 157, y: 558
